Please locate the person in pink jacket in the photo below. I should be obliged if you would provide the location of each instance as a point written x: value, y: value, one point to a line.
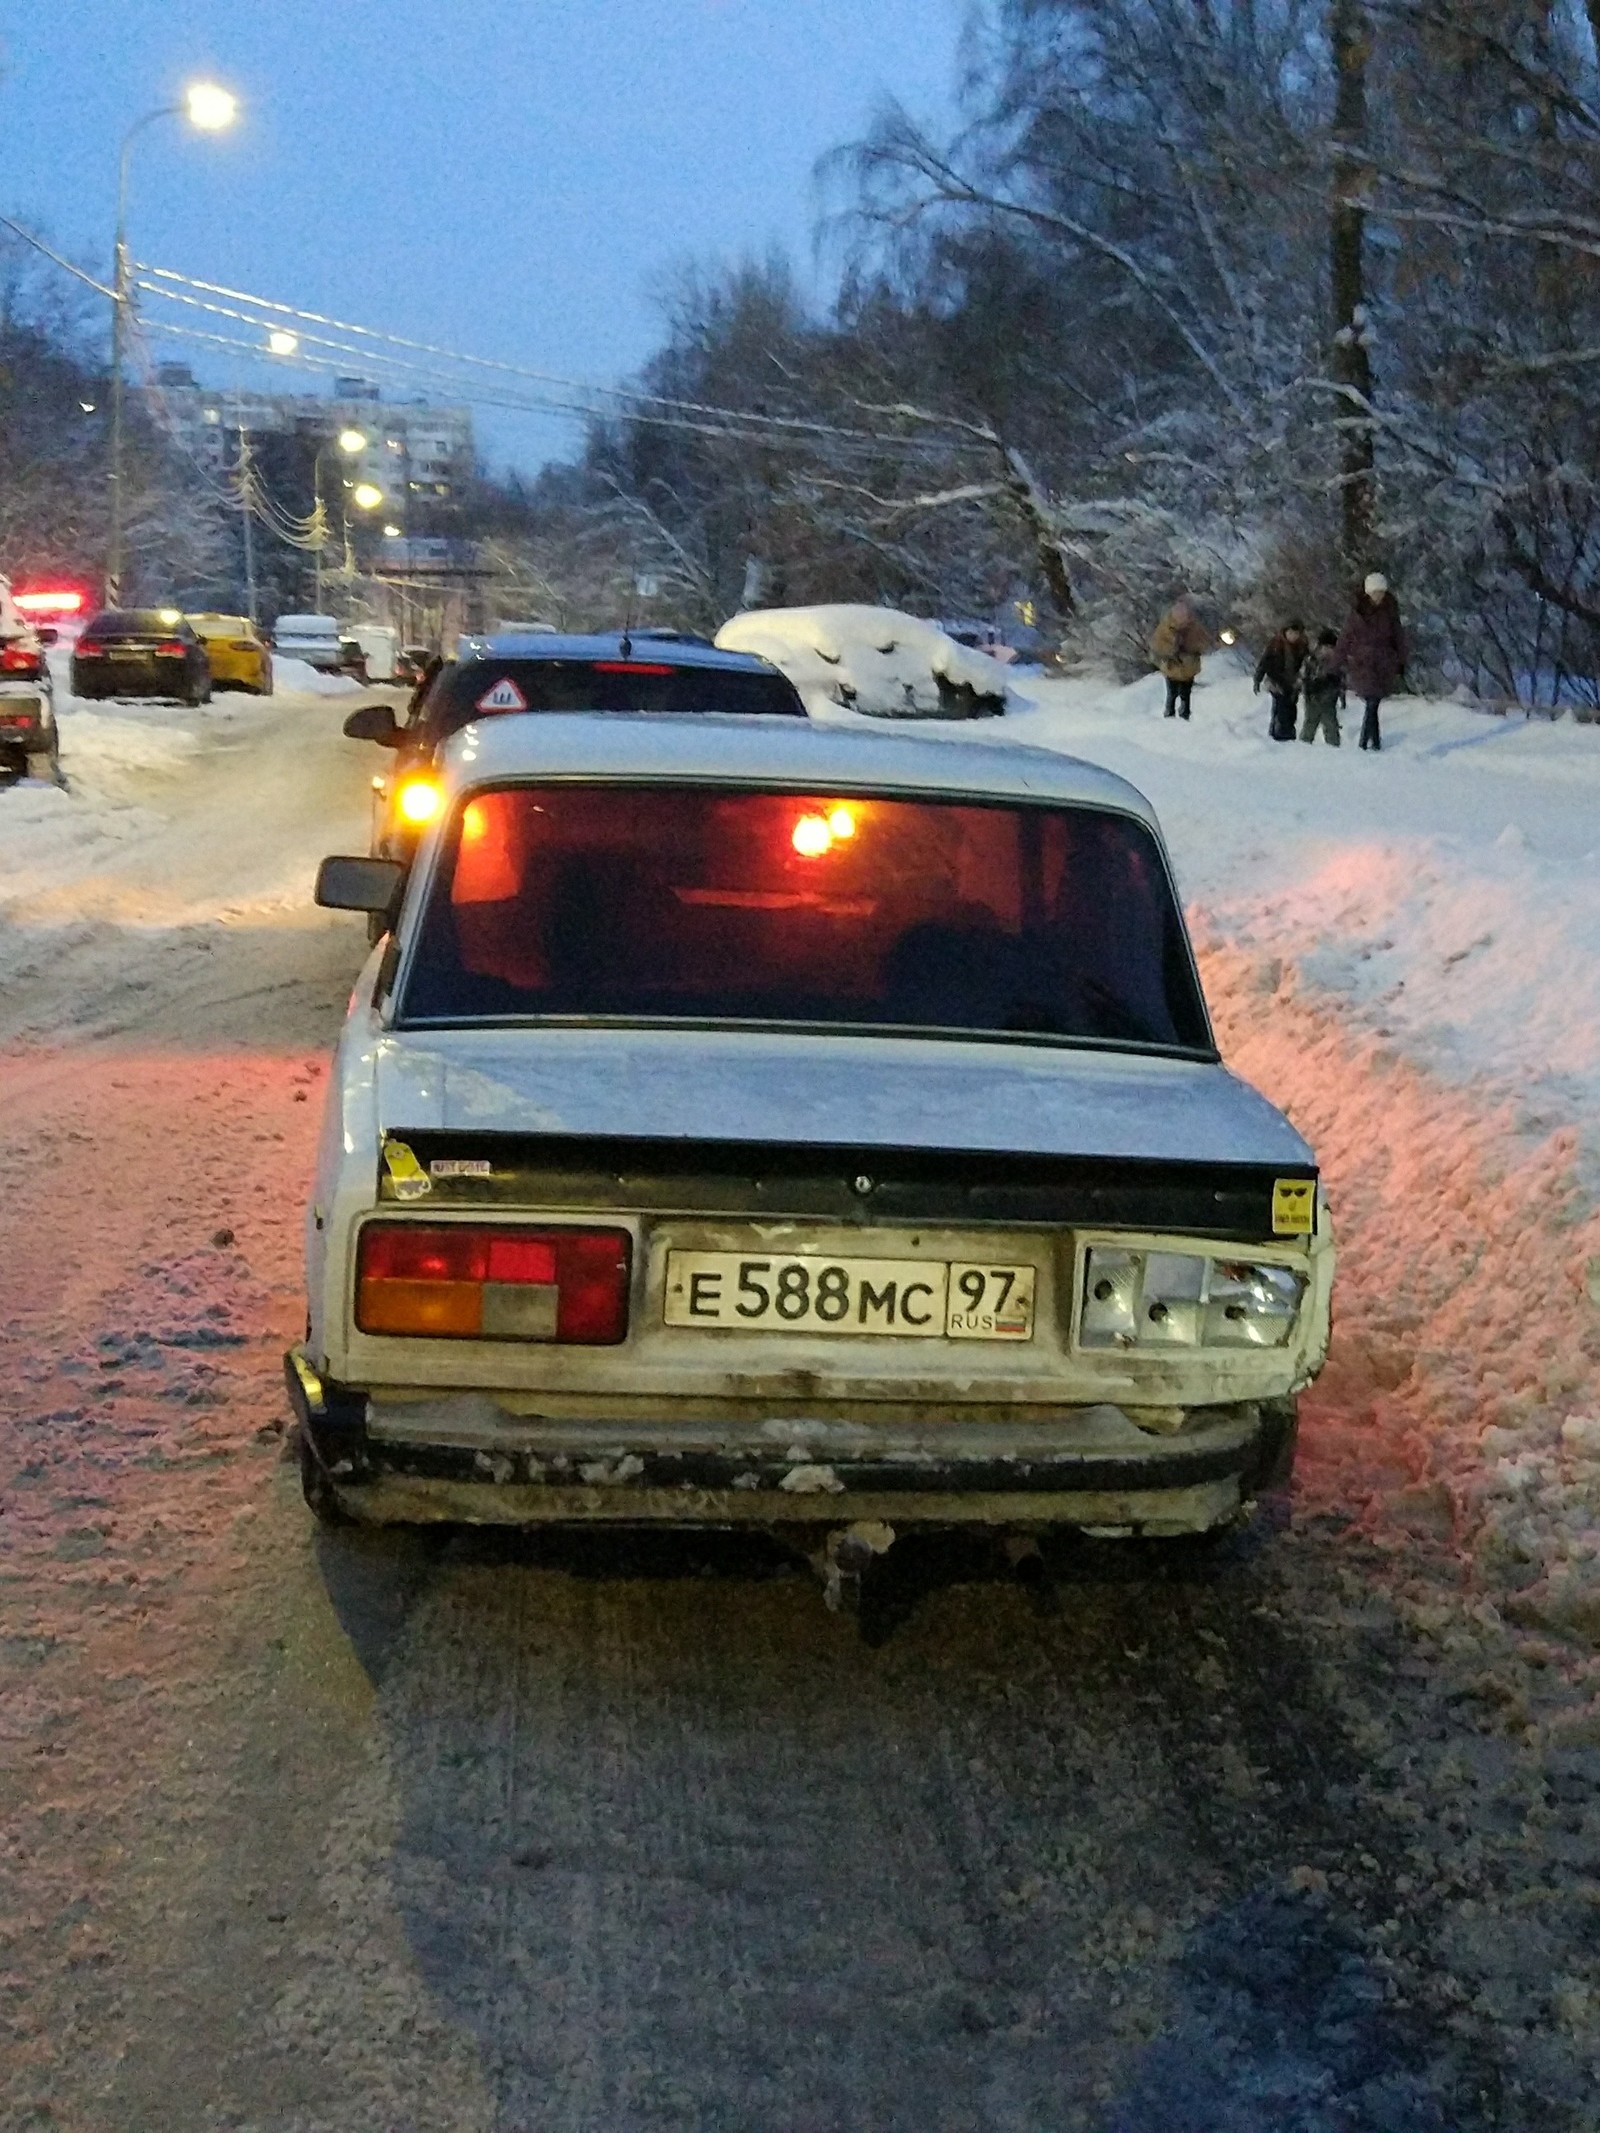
x: 1372, y: 652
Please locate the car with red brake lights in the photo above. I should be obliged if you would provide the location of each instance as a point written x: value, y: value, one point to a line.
x: 30, y: 744
x: 141, y: 651
x: 749, y: 1123
x: 646, y: 673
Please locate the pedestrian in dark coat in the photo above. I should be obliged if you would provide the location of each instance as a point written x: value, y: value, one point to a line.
x: 1372, y: 652
x: 1322, y: 684
x: 1279, y: 667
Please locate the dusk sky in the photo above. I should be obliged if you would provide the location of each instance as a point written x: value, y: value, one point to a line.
x: 510, y: 179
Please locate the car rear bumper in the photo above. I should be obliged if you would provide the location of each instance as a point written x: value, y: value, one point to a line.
x: 464, y: 1459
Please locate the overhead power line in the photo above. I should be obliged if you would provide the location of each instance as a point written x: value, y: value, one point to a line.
x: 100, y: 288
x: 270, y: 315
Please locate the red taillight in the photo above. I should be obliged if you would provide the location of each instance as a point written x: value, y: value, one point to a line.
x: 463, y: 1282
x: 89, y: 651
x: 174, y: 648
x: 629, y: 666
x: 16, y: 659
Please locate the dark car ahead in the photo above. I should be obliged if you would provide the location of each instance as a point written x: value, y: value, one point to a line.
x: 141, y: 651
x: 610, y: 673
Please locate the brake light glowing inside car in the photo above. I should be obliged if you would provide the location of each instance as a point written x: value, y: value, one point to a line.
x: 464, y: 1282
x: 814, y: 836
x: 629, y: 666
x: 173, y: 649
x: 418, y: 800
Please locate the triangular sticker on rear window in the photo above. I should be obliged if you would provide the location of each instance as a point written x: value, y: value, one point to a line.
x: 504, y: 696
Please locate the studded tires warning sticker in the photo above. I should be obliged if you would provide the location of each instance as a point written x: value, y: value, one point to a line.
x: 406, y: 1174
x: 1294, y: 1207
x: 504, y: 696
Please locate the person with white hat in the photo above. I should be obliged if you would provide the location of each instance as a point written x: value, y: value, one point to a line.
x: 1372, y: 652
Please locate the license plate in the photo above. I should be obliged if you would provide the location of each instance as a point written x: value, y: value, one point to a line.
x: 910, y: 1299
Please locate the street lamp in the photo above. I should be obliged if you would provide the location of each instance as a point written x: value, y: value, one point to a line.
x: 209, y: 108
x: 349, y: 441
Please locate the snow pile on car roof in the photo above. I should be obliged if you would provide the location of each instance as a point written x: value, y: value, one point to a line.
x: 870, y: 659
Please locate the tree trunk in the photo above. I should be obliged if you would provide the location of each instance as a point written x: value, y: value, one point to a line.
x: 1350, y: 37
x: 1038, y: 514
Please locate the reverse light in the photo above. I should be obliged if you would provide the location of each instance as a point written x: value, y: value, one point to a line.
x: 841, y: 824
x: 811, y: 836
x: 463, y: 1282
x: 418, y: 800
x: 1156, y: 1300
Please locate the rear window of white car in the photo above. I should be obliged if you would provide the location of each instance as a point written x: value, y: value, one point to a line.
x: 646, y: 903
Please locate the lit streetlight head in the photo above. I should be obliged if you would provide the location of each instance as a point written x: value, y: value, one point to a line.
x: 210, y: 107
x: 352, y: 441
x: 281, y: 342
x: 365, y: 497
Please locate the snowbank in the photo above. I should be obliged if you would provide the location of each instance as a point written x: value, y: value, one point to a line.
x: 300, y: 679
x: 1403, y: 950
x: 870, y: 660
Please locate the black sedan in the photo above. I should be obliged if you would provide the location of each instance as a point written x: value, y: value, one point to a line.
x: 141, y: 651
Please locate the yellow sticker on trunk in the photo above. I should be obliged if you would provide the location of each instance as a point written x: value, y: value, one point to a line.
x: 406, y: 1174
x: 1294, y: 1206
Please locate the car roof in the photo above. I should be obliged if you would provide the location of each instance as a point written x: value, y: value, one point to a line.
x: 223, y: 622
x: 608, y: 644
x: 767, y: 751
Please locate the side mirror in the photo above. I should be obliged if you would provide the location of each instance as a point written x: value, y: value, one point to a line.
x: 373, y: 722
x: 360, y: 885
x: 47, y: 635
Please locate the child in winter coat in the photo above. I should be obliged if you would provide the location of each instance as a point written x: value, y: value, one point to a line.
x: 1279, y: 667
x: 1177, y: 646
x: 1322, y: 683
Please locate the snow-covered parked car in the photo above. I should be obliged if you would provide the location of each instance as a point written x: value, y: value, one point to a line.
x: 870, y: 659
x: 753, y: 1123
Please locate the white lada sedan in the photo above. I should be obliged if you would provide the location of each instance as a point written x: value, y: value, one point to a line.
x: 745, y: 1126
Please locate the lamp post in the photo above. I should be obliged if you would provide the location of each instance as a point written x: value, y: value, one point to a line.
x: 210, y: 109
x: 349, y: 441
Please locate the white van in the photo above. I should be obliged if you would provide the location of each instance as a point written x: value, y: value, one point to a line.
x: 380, y: 647
x: 313, y: 638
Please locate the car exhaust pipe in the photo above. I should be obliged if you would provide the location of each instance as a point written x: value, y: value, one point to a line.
x: 844, y: 1559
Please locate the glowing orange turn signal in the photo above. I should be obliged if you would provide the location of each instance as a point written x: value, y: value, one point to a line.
x: 418, y: 800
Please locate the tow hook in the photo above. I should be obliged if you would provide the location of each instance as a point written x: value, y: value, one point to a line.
x: 847, y: 1555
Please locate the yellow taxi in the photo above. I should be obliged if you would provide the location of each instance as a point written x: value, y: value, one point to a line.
x: 239, y: 658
